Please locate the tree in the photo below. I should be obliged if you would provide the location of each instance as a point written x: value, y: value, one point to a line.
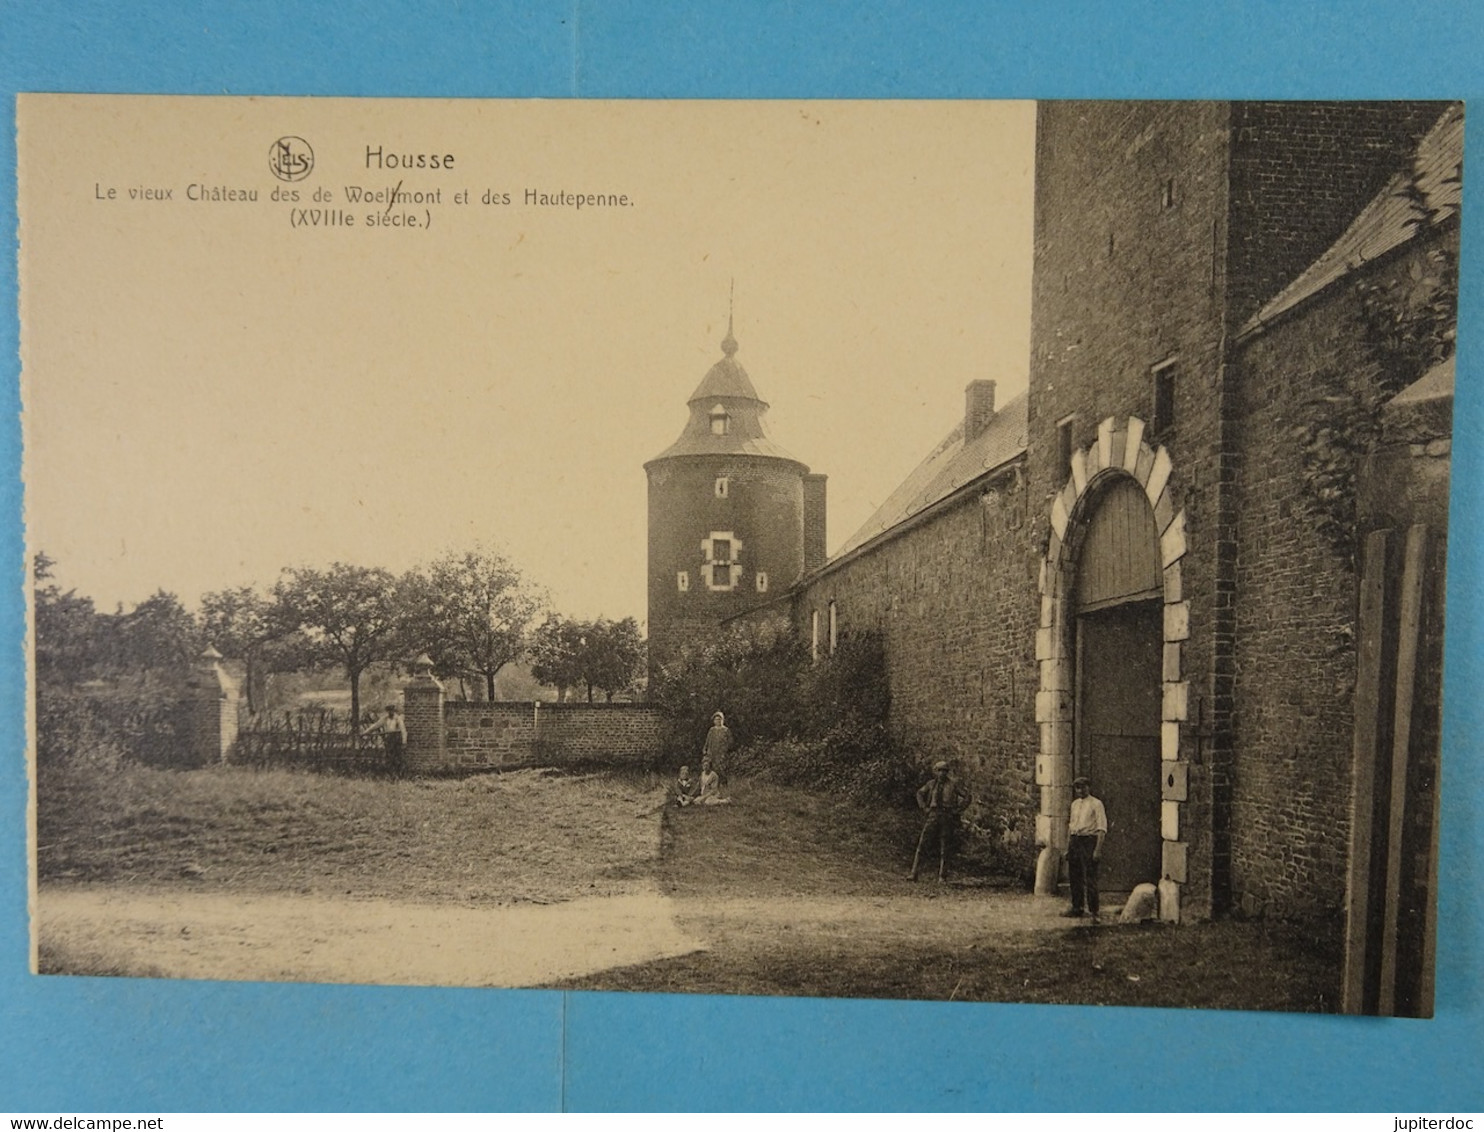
x: 597, y: 655
x: 241, y: 623
x: 158, y: 634
x: 351, y: 615
x: 471, y: 612
x: 555, y: 649
x: 613, y: 656
x: 66, y: 628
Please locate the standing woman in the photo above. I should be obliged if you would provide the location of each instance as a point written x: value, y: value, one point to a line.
x: 718, y: 746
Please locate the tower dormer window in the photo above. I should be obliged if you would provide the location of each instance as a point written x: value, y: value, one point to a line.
x: 721, y: 421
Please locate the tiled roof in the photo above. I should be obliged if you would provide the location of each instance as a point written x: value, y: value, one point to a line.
x: 726, y: 378
x: 698, y: 442
x: 1428, y: 193
x: 946, y: 469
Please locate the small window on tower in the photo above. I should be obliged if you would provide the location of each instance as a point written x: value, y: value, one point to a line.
x: 1164, y: 397
x: 722, y: 487
x: 682, y: 581
x: 1064, y: 448
x: 762, y: 581
x: 721, y: 422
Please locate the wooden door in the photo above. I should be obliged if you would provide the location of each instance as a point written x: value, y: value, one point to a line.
x: 1119, y: 655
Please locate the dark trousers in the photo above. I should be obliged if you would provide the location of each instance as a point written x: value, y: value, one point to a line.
x: 939, y: 828
x: 1082, y: 871
x: 396, y: 754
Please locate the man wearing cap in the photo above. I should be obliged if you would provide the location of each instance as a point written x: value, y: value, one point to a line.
x: 1087, y: 825
x: 941, y: 799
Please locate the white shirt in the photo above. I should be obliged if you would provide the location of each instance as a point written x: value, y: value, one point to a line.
x: 1087, y: 817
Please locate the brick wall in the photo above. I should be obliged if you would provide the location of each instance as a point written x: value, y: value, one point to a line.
x: 1130, y: 247
x: 212, y: 715
x: 763, y: 508
x: 955, y: 599
x: 1300, y: 171
x: 1296, y: 616
x: 502, y: 735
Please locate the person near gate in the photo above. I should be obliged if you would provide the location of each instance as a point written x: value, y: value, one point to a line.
x: 1087, y: 825
x: 942, y: 800
x: 394, y: 738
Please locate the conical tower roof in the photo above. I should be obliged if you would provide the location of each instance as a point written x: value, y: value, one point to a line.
x: 726, y: 392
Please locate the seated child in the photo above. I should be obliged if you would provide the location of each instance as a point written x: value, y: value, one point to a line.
x: 685, y: 788
x: 710, y: 786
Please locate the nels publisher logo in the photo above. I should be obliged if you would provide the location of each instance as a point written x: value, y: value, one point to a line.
x: 290, y: 159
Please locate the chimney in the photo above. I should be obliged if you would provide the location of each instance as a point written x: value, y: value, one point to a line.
x: 814, y: 521
x: 978, y: 408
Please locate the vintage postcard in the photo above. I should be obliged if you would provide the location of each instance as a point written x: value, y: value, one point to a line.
x: 933, y: 550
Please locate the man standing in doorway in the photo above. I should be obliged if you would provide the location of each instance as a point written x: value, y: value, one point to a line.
x: 718, y: 746
x: 1087, y: 825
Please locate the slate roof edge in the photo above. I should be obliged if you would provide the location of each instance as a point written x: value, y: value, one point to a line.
x: 911, y: 522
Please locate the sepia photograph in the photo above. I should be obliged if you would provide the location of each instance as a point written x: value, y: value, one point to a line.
x: 971, y: 551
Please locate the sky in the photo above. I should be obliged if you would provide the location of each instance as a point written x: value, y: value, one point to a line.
x: 214, y: 390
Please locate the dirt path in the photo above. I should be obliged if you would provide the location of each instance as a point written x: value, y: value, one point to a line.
x: 324, y: 939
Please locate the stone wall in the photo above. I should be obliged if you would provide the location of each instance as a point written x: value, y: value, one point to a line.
x: 1300, y: 171
x: 1296, y: 613
x: 1130, y: 276
x: 955, y: 600
x: 451, y: 736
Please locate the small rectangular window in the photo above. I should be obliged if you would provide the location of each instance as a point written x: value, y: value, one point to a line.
x: 721, y: 487
x: 814, y: 635
x: 682, y: 581
x: 721, y: 550
x: 1064, y: 449
x: 1164, y: 375
x: 762, y: 581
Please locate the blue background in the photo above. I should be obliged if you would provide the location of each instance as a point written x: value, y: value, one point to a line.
x: 115, y: 1044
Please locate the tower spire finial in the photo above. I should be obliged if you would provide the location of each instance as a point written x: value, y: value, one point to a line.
x: 729, y: 343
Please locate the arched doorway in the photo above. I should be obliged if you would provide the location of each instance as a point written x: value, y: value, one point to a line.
x: 1119, y: 602
x: 1102, y: 604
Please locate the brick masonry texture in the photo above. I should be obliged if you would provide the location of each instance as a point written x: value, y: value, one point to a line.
x: 1159, y: 227
x: 955, y: 599
x: 503, y: 735
x: 1130, y: 256
x: 1300, y: 172
x: 764, y: 508
x: 1296, y: 619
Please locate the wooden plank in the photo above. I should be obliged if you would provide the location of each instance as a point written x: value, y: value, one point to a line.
x: 1436, y: 585
x: 1363, y: 758
x: 1409, y: 628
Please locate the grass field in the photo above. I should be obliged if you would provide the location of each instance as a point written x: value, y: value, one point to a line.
x: 790, y: 892
x: 521, y: 836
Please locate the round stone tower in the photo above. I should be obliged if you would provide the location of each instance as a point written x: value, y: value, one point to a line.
x: 728, y: 514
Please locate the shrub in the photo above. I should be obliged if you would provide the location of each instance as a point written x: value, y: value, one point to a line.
x: 821, y: 725
x: 99, y: 726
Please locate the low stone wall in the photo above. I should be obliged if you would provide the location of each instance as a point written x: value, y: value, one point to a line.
x: 504, y: 735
